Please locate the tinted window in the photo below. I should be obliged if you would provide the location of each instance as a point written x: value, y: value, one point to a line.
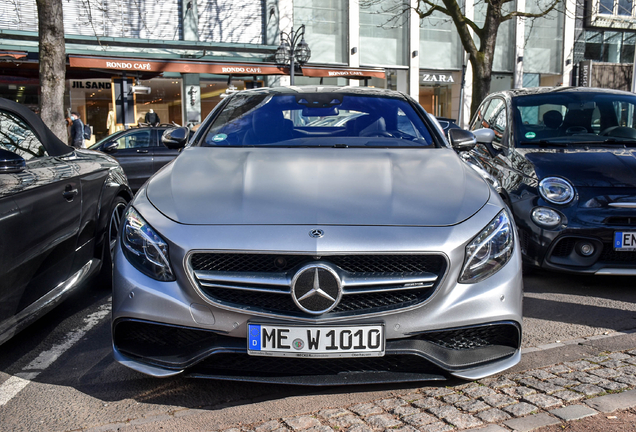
x: 317, y: 119
x: 479, y: 117
x: 575, y: 117
x: 17, y: 137
x: 136, y: 139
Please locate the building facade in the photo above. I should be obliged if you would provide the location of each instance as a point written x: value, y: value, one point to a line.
x: 182, y: 56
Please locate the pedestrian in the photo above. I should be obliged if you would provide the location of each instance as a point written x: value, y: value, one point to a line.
x: 77, y: 130
x: 152, y: 117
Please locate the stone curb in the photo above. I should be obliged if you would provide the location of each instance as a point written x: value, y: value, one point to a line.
x: 521, y: 401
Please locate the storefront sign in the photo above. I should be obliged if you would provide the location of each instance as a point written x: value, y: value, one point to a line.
x: 585, y: 72
x: 347, y: 73
x: 91, y: 85
x: 173, y: 66
x: 436, y: 78
x: 193, y: 95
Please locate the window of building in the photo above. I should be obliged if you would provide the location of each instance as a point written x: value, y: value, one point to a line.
x: 383, y: 35
x: 543, y: 52
x: 325, y: 28
x: 609, y: 46
x: 440, y: 46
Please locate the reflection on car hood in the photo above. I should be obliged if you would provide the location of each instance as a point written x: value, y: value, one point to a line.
x: 318, y: 186
x: 596, y: 167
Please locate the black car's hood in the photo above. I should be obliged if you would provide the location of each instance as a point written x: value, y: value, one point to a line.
x: 595, y: 167
x: 303, y: 186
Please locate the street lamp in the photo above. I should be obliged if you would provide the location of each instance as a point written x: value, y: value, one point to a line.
x: 291, y: 50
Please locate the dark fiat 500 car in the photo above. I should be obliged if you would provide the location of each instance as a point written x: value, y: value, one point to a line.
x: 564, y: 159
x: 139, y: 151
x: 60, y: 210
x: 280, y: 249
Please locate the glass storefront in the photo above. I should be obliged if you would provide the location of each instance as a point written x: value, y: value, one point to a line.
x: 93, y: 100
x: 439, y: 92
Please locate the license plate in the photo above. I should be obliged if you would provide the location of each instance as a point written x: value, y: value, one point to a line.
x: 315, y: 341
x: 625, y: 241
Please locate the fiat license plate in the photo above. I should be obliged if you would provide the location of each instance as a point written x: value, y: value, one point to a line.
x: 625, y: 241
x: 315, y: 341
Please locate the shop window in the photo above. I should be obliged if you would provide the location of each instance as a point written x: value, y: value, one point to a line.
x: 16, y: 137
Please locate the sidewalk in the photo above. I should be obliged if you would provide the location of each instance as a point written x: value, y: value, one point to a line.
x: 552, y: 385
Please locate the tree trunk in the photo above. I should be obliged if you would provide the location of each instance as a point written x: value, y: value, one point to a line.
x: 481, y: 84
x: 52, y: 66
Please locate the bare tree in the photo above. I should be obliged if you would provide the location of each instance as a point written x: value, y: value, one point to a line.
x: 478, y: 42
x: 52, y: 65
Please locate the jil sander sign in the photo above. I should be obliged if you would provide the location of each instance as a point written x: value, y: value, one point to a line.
x: 436, y: 78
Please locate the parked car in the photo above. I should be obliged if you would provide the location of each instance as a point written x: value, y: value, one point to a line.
x: 275, y: 251
x: 139, y: 151
x: 564, y: 161
x: 60, y: 210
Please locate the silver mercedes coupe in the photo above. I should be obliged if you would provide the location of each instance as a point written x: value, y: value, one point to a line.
x: 284, y: 247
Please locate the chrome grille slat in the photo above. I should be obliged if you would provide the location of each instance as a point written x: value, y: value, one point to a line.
x: 370, y: 283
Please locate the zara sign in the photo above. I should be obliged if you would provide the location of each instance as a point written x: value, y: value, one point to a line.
x: 436, y: 78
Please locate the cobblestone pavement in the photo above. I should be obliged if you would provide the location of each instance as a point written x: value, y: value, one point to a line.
x: 516, y: 401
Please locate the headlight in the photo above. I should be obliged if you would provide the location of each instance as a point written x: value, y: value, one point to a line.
x: 489, y: 251
x: 144, y: 248
x: 556, y: 190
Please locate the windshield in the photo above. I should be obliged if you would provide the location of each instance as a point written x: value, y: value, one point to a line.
x: 317, y: 120
x: 575, y: 118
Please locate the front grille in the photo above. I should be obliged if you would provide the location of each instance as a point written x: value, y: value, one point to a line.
x: 475, y: 337
x: 564, y: 247
x: 621, y: 220
x: 160, y: 341
x: 610, y: 255
x: 245, y: 365
x: 284, y: 303
x: 274, y: 263
x: 260, y: 282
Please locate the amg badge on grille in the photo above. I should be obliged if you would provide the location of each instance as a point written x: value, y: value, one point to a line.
x: 316, y: 289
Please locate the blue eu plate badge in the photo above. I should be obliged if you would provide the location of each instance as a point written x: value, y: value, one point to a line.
x: 255, y: 337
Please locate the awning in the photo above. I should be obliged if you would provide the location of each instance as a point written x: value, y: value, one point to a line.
x: 207, y: 67
x: 334, y: 72
x: 181, y: 66
x: 13, y: 54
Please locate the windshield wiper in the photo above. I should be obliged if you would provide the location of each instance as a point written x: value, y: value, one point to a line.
x: 340, y: 146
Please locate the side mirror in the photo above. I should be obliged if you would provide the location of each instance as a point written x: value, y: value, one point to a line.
x: 11, y: 163
x: 461, y: 139
x: 111, y: 147
x: 175, y: 138
x: 484, y: 136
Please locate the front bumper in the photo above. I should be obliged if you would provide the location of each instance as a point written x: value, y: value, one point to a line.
x: 559, y: 249
x: 164, y: 350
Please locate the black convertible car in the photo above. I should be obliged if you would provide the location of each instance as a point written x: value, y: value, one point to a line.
x: 60, y: 210
x: 564, y: 160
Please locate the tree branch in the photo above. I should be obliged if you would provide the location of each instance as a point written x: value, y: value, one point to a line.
x: 515, y: 14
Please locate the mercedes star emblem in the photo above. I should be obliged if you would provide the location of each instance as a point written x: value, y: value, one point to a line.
x: 316, y: 233
x: 316, y: 289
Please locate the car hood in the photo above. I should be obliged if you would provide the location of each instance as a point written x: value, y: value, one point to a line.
x: 587, y: 168
x: 318, y: 186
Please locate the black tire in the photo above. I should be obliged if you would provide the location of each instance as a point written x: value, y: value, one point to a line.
x: 113, y: 224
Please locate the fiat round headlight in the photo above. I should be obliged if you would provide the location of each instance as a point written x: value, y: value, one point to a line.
x: 487, y: 253
x: 556, y: 190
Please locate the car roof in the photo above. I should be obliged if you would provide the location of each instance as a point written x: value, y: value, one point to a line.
x: 346, y: 90
x: 53, y: 145
x: 552, y: 90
